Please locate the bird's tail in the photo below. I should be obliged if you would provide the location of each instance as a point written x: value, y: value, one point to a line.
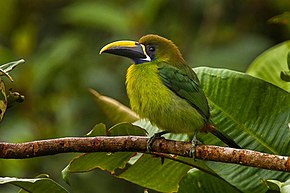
x: 225, y: 138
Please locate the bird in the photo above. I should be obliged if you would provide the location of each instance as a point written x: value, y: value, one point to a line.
x: 164, y: 89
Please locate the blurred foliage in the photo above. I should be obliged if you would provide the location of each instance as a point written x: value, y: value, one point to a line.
x: 60, y: 40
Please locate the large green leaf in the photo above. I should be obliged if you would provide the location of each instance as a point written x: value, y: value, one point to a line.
x: 149, y: 172
x: 269, y: 65
x: 255, y: 114
x: 197, y: 181
x: 34, y: 185
x: 102, y: 160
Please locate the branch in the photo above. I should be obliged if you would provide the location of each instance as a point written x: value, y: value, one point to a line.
x: 139, y: 144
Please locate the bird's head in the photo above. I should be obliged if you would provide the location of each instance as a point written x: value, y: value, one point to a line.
x: 149, y: 48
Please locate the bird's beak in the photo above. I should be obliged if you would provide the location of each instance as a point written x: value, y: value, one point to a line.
x: 129, y: 49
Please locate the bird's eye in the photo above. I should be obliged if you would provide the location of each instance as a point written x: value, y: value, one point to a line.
x: 151, y: 49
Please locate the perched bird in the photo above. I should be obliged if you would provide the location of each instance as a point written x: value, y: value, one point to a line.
x: 163, y: 88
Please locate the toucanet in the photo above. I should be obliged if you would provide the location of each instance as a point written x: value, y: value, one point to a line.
x: 163, y: 88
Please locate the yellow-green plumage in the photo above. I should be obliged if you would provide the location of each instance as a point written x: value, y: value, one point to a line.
x: 151, y: 99
x: 163, y: 88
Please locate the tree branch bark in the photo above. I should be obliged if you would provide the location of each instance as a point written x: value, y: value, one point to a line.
x: 139, y: 144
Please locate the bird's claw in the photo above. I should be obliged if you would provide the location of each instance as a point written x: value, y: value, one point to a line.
x: 153, y: 138
x: 194, y: 143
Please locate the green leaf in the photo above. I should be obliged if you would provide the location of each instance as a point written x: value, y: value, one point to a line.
x: 269, y: 65
x: 90, y: 161
x: 198, y: 181
x: 114, y: 110
x: 151, y: 173
x: 126, y: 129
x: 255, y: 114
x: 102, y: 160
x: 34, y: 185
x: 283, y: 186
x: 98, y: 130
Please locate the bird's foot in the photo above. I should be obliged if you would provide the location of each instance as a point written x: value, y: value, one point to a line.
x: 153, y: 138
x: 194, y: 143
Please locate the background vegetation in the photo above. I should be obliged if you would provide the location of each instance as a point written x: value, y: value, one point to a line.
x: 60, y: 41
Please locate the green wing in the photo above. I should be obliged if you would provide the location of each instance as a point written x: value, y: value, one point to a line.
x: 186, y: 85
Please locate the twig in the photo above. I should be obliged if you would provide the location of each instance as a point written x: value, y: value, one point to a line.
x: 139, y: 144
